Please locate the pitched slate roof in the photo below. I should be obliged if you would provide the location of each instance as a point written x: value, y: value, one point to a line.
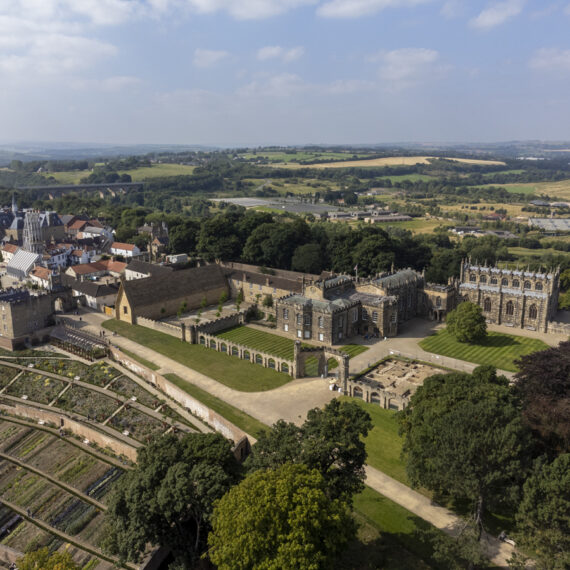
x: 90, y: 288
x: 178, y: 284
x: 148, y: 268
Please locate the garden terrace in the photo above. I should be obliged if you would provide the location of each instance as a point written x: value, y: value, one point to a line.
x: 87, y: 403
x: 36, y: 387
x: 7, y: 374
x: 138, y: 425
x: 129, y: 388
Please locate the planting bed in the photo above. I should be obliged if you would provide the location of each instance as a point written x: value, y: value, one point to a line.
x: 63, y: 367
x: 7, y: 374
x: 128, y: 388
x: 87, y: 403
x: 99, y: 374
x: 139, y: 425
x: 38, y: 388
x: 170, y: 413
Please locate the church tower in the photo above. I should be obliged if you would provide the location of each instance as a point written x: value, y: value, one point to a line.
x: 32, y: 233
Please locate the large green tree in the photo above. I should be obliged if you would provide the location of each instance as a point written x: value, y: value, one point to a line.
x: 464, y: 437
x: 467, y: 322
x: 168, y: 498
x: 544, y: 513
x: 330, y: 440
x: 279, y: 519
x: 543, y: 383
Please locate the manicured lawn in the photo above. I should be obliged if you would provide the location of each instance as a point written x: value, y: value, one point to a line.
x: 242, y: 420
x: 398, y: 528
x: 500, y: 350
x: 140, y: 359
x: 277, y: 345
x: 383, y: 443
x: 231, y: 371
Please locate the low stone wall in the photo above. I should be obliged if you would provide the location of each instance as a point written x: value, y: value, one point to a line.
x: 559, y: 328
x: 246, y: 353
x: 219, y: 423
x: 220, y: 324
x: 77, y: 427
x: 167, y: 328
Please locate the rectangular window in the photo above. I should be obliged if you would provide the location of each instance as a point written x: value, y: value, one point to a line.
x: 321, y: 322
x: 354, y: 315
x: 286, y: 327
x: 340, y: 321
x: 308, y: 320
x: 321, y: 337
x: 286, y: 314
x: 260, y: 287
x: 374, y: 316
x: 307, y: 334
x: 299, y: 317
x: 364, y: 314
x: 394, y: 318
x: 299, y: 333
x: 274, y: 290
x: 125, y: 310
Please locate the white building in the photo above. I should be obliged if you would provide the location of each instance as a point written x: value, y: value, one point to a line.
x: 124, y: 249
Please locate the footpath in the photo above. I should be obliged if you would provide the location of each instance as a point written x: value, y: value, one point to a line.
x: 292, y: 401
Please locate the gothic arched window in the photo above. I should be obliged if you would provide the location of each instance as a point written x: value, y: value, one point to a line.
x: 532, y: 312
x: 527, y: 285
x: 493, y: 280
x: 510, y: 308
x: 538, y: 286
x: 516, y: 283
x: 483, y: 279
x: 472, y: 278
x: 504, y: 282
x: 487, y: 305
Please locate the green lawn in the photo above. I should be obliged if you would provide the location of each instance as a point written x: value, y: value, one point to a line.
x: 140, y: 359
x: 383, y: 444
x: 231, y: 371
x: 242, y: 420
x: 500, y: 350
x: 279, y: 346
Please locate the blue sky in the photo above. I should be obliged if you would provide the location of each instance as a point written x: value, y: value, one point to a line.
x: 253, y: 72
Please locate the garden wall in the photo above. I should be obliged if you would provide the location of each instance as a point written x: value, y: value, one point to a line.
x: 221, y: 324
x: 559, y: 328
x: 167, y: 328
x: 75, y: 426
x: 219, y: 423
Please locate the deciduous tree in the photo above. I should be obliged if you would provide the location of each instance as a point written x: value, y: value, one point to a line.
x: 43, y: 559
x: 168, y: 498
x: 279, y: 519
x: 467, y: 323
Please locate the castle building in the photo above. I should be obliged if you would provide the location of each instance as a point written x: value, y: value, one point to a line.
x: 514, y: 298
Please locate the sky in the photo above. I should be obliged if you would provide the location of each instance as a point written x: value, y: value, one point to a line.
x: 285, y: 72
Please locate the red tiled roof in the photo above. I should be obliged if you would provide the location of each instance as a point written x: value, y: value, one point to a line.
x: 125, y: 246
x: 95, y: 224
x: 111, y: 265
x: 77, y: 225
x: 86, y: 268
x: 11, y: 248
x: 41, y: 272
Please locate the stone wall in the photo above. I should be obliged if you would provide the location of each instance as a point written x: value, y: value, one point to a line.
x: 220, y: 324
x: 246, y: 353
x: 160, y: 326
x: 219, y: 423
x: 76, y: 426
x: 559, y: 328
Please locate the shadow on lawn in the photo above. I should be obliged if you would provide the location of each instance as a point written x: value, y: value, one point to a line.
x: 498, y: 341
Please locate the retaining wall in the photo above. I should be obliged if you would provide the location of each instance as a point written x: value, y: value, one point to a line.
x: 77, y: 427
x: 559, y: 328
x: 219, y: 423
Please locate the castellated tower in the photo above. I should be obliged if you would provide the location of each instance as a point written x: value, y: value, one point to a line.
x: 32, y: 235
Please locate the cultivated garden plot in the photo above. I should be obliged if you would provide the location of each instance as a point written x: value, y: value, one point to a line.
x: 36, y: 387
x: 171, y: 414
x: 99, y: 374
x: 7, y: 374
x: 27, y: 443
x: 9, y: 431
x: 88, y: 403
x: 62, y: 366
x: 129, y: 388
x: 139, y: 425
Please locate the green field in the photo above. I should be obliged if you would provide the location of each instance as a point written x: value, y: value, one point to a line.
x: 233, y: 372
x: 279, y: 346
x: 497, y: 349
x: 242, y: 420
x: 280, y: 156
x: 526, y: 252
x: 137, y: 174
x: 383, y: 444
x: 417, y: 226
x: 412, y: 177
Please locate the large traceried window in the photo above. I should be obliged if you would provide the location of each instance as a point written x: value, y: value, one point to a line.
x: 510, y: 309
x: 487, y: 305
x: 532, y: 312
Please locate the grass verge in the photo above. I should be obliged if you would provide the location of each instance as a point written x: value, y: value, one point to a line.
x: 140, y: 359
x: 242, y: 420
x: 498, y: 349
x: 228, y: 370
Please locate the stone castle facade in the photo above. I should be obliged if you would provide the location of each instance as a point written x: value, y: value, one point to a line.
x: 511, y: 297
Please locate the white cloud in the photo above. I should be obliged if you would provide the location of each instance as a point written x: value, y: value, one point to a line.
x: 247, y: 9
x: 453, y: 9
x: 404, y: 67
x: 277, y: 52
x: 551, y: 59
x: 279, y: 85
x: 208, y: 57
x: 344, y: 86
x: 359, y: 8
x: 112, y: 84
x: 497, y: 13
